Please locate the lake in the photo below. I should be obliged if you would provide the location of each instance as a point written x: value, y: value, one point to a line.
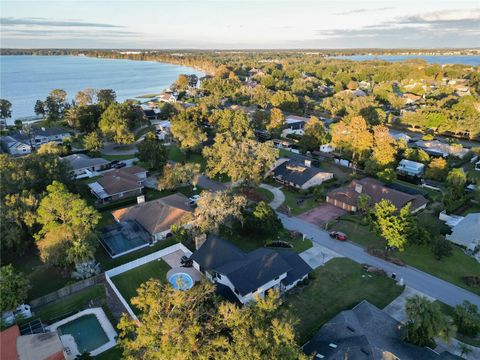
x: 26, y: 79
x: 473, y: 60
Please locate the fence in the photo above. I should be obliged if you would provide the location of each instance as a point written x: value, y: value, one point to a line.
x: 67, y: 290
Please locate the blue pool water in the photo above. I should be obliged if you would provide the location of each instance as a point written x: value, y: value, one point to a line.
x: 26, y: 79
x: 87, y: 332
x: 181, y: 281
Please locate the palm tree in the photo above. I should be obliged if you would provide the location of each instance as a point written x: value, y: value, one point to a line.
x: 426, y: 322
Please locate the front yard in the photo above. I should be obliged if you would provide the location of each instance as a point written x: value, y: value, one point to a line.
x: 450, y: 268
x: 128, y: 282
x: 339, y: 285
x: 297, y: 203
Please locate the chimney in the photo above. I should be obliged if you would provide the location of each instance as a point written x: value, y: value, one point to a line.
x: 199, y: 240
x: 358, y: 188
x: 308, y: 163
x: 140, y: 199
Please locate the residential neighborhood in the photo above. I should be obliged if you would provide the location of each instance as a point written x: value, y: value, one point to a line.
x: 284, y: 205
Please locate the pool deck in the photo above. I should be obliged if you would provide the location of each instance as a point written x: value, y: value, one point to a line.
x: 192, y: 272
x: 104, y: 322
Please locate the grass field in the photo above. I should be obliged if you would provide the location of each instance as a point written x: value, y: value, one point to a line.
x: 268, y: 196
x: 177, y: 155
x: 339, y: 285
x: 114, y: 353
x: 128, y: 282
x: 296, y: 203
x: 450, y: 268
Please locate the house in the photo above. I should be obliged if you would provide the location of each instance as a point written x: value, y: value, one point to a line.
x: 157, y: 216
x: 168, y: 97
x: 411, y: 98
x: 347, y: 197
x: 410, y: 168
x: 327, y: 148
x: 149, y: 114
x: 477, y: 166
x: 43, y: 346
x: 400, y: 136
x: 46, y: 135
x: 466, y: 232
x: 119, y: 184
x: 16, y: 144
x: 248, y: 275
x: 366, y: 333
x: 295, y: 122
x: 162, y: 128
x: 302, y: 176
x: 81, y: 164
x: 437, y: 148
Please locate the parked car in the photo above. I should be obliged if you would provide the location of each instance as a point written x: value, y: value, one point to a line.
x: 186, y: 262
x: 192, y: 201
x: 338, y: 235
x: 119, y: 165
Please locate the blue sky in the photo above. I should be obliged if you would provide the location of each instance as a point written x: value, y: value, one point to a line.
x: 229, y: 24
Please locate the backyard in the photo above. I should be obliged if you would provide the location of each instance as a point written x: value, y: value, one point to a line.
x: 128, y: 282
x: 339, y: 285
x: 450, y: 268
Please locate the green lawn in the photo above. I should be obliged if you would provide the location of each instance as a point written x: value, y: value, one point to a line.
x: 128, y: 282
x: 295, y: 205
x: 267, y: 195
x: 450, y: 268
x: 428, y: 193
x: 177, y: 155
x: 339, y: 285
x: 114, y: 353
x: 71, y: 303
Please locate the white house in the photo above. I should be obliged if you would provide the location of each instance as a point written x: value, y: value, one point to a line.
x: 466, y: 233
x: 168, y: 97
x: 410, y: 168
x: 246, y: 276
x: 437, y: 148
x: 16, y: 144
x: 294, y: 125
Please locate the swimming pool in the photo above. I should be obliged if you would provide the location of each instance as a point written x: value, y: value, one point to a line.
x: 87, y: 332
x: 181, y: 281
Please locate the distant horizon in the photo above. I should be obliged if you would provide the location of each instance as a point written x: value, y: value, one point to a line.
x: 235, y: 24
x: 477, y: 48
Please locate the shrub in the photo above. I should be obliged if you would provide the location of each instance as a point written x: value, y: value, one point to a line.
x: 471, y: 280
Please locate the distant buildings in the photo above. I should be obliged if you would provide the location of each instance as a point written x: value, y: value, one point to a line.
x: 23, y: 142
x: 437, y: 148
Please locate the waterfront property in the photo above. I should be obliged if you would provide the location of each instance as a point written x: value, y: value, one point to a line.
x: 86, y: 331
x: 157, y: 216
x: 22, y: 143
x: 119, y: 184
x: 298, y: 175
x: 347, y: 197
x: 245, y: 276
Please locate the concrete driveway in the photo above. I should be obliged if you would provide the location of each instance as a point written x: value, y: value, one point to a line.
x: 318, y: 255
x: 322, y: 214
x: 278, y: 196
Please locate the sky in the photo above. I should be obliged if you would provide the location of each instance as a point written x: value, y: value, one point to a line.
x: 235, y: 24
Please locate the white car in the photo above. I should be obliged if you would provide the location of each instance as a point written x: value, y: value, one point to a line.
x: 193, y: 200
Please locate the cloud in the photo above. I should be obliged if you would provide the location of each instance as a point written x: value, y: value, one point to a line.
x: 44, y: 22
x: 359, y: 11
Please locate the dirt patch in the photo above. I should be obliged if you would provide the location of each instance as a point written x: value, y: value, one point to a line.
x: 322, y: 214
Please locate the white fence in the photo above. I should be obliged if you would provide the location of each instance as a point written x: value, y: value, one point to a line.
x: 136, y: 263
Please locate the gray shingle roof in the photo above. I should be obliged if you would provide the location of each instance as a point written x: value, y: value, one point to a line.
x: 295, y: 172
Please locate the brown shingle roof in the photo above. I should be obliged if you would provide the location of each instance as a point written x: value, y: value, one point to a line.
x: 8, y: 343
x: 158, y: 215
x: 118, y: 181
x: 377, y: 191
x: 133, y: 170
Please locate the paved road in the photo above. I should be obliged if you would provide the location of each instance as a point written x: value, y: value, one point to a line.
x: 419, y: 280
x: 212, y: 185
x: 278, y: 196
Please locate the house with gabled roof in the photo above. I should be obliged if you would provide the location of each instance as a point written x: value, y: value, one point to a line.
x: 299, y: 175
x: 246, y: 276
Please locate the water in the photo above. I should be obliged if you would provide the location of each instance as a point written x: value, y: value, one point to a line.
x: 26, y: 79
x: 87, y: 332
x: 473, y: 60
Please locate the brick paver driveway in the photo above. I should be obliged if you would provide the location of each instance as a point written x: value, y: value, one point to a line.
x: 322, y: 214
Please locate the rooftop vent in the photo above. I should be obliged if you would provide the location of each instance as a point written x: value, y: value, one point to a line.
x: 140, y: 199
x: 350, y: 328
x: 358, y: 188
x: 332, y: 345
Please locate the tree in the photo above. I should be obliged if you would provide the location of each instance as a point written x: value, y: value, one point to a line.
x: 456, y: 180
x: 262, y: 221
x: 314, y: 136
x: 276, y: 121
x: 13, y: 288
x: 52, y: 148
x: 426, y: 322
x: 5, y: 109
x: 383, y: 152
x: 115, y: 124
x: 85, y: 97
x: 215, y: 208
x: 364, y: 203
x: 418, y: 155
x: 105, y: 97
x: 179, y: 174
x: 353, y: 137
x: 93, y: 141
x: 389, y: 225
x: 242, y: 160
x: 467, y: 319
x: 441, y: 247
x: 193, y: 324
x: 55, y: 105
x: 68, y: 223
x: 182, y: 83
x: 235, y: 122
x: 284, y: 100
x: 39, y: 108
x: 437, y: 169
x: 153, y: 153
x: 188, y: 133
